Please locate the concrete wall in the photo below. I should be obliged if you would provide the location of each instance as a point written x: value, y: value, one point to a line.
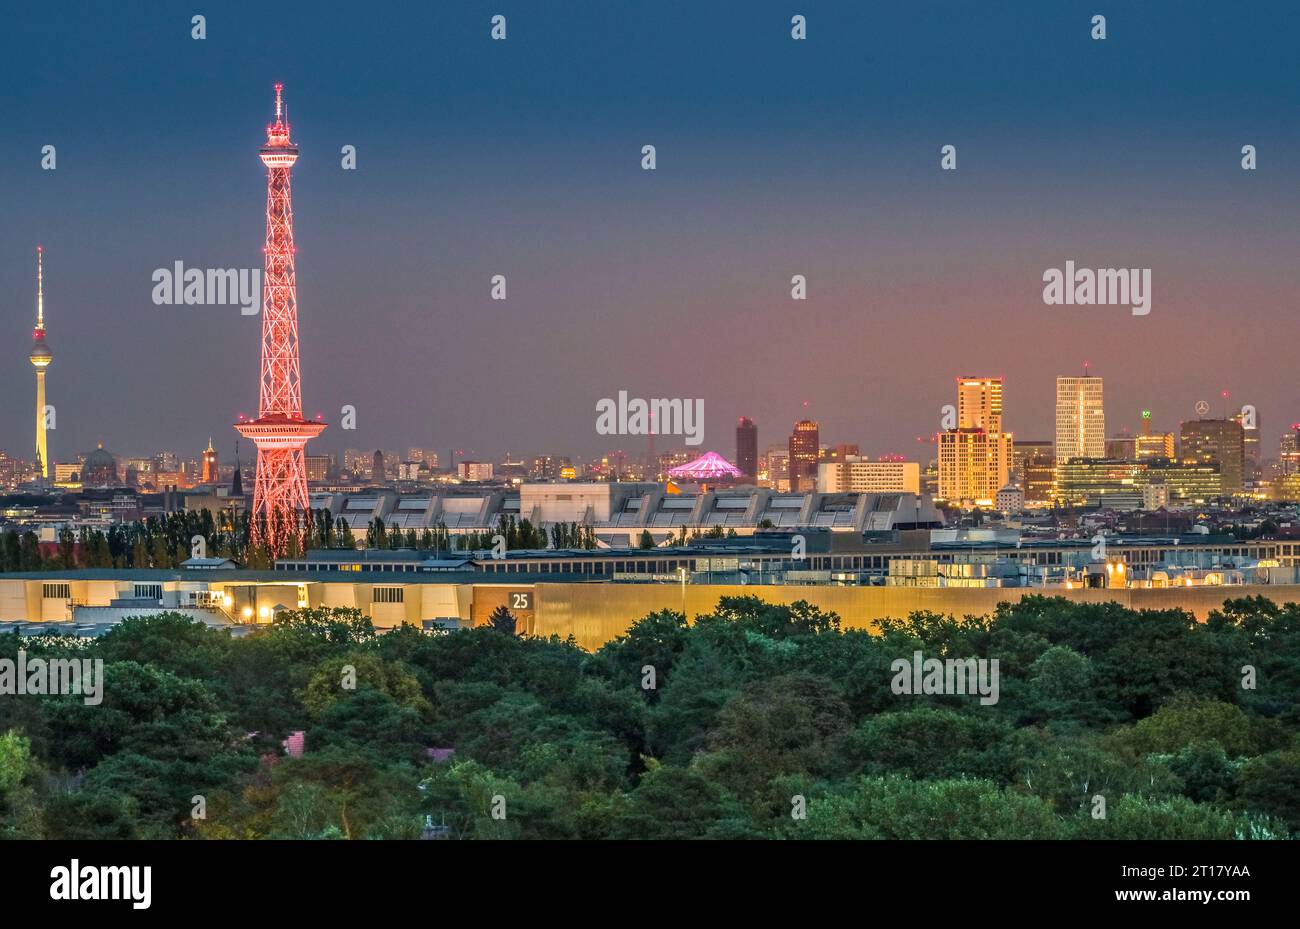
x: 597, y: 613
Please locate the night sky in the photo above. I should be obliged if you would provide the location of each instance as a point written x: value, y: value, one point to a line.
x: 775, y: 158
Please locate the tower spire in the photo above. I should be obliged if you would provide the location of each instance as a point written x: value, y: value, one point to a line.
x: 40, y: 289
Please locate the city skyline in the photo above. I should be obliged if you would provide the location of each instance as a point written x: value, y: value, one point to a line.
x: 896, y: 252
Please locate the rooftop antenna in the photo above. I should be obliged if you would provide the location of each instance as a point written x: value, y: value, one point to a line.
x: 40, y: 289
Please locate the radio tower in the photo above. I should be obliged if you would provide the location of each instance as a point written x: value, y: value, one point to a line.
x: 41, y: 357
x: 279, y: 432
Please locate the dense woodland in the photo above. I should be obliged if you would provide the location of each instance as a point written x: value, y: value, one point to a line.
x: 752, y: 708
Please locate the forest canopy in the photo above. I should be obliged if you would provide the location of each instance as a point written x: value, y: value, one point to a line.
x: 754, y: 721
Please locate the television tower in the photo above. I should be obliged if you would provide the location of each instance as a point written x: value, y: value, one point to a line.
x: 41, y: 357
x: 279, y: 432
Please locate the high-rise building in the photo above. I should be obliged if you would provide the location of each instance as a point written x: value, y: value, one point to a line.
x: 1032, y: 468
x: 975, y: 457
x: 973, y: 465
x: 1080, y: 418
x: 378, y: 471
x: 747, y: 447
x: 804, y: 449
x: 1288, y: 450
x: 1205, y: 441
x: 1038, y: 477
x: 41, y: 356
x: 1250, y: 444
x: 279, y: 432
x: 210, y: 465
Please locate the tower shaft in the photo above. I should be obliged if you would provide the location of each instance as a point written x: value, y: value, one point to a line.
x: 42, y: 451
x: 279, y: 432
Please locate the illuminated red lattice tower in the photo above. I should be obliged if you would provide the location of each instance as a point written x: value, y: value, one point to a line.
x: 279, y: 432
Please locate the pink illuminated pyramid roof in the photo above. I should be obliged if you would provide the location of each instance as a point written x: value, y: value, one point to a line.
x: 708, y: 467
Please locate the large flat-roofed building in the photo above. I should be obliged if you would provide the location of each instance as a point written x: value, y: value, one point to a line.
x: 1118, y: 484
x: 1099, y: 482
x: 859, y: 475
x: 619, y: 512
x: 596, y: 595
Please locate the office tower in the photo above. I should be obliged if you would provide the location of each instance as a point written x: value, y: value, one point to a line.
x: 1038, y: 477
x: 973, y: 465
x: 40, y: 357
x: 279, y: 432
x: 975, y: 457
x: 1207, y: 441
x: 747, y: 447
x: 378, y: 471
x: 804, y: 448
x: 1250, y: 444
x: 1288, y: 450
x: 1080, y: 418
x: 210, y: 464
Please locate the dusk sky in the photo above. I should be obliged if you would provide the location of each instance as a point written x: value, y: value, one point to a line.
x: 775, y: 157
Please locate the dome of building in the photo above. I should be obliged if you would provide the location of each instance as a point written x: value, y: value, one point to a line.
x: 99, y: 469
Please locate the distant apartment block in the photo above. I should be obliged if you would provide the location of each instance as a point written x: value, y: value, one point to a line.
x: 859, y: 475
